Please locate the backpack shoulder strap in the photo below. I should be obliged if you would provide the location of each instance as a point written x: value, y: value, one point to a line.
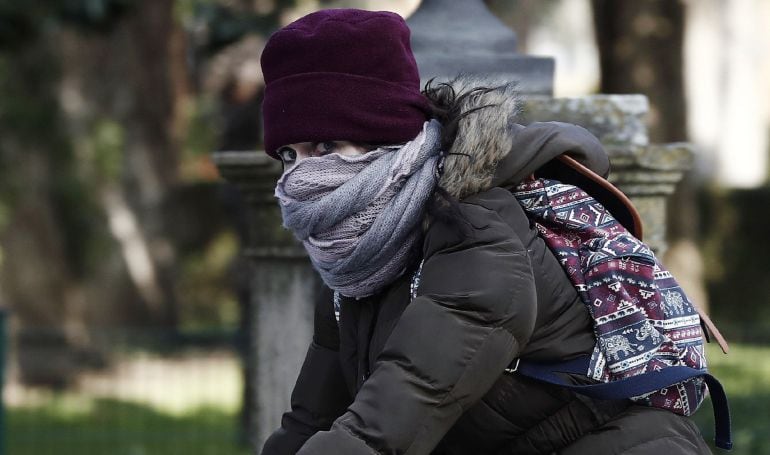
x: 713, y: 330
x: 633, y: 386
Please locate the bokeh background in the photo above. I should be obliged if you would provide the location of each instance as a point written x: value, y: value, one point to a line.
x: 124, y: 293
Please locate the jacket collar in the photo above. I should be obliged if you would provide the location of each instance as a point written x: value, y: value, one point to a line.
x: 492, y: 149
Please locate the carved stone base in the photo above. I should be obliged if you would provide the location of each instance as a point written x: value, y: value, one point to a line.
x: 646, y: 173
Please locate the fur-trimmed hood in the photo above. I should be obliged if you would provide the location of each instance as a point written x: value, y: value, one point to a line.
x: 492, y: 149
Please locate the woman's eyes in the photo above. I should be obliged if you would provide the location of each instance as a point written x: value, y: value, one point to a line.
x: 287, y: 154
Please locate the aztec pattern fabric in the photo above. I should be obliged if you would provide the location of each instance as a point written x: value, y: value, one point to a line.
x: 643, y: 321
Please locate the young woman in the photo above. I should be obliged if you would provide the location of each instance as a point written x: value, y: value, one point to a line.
x: 381, y: 181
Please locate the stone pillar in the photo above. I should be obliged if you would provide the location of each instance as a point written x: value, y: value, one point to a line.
x: 646, y: 173
x: 450, y: 37
x: 283, y: 287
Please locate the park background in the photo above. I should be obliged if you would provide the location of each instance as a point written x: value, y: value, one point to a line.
x: 120, y: 273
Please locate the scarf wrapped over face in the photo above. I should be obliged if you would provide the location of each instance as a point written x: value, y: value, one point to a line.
x: 359, y: 216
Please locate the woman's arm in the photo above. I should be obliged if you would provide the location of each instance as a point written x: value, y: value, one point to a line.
x: 476, y: 309
x: 320, y: 395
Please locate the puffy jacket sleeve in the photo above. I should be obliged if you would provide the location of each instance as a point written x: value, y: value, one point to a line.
x: 475, y: 309
x: 320, y: 395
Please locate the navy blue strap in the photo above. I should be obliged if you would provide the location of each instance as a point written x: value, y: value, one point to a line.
x: 634, y: 386
x: 722, y: 433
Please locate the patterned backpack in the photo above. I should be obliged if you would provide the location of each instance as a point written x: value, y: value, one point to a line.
x: 649, y: 337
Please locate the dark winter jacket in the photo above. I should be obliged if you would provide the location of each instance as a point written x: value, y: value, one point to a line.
x: 403, y: 376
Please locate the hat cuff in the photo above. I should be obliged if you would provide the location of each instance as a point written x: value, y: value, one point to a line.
x: 315, y: 107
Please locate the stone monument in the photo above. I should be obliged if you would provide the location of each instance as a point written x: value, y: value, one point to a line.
x: 450, y: 37
x: 283, y: 291
x: 646, y: 173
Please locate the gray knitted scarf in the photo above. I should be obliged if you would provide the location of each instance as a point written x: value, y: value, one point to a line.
x: 358, y: 216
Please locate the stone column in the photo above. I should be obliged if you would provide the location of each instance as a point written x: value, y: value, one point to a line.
x: 646, y: 173
x: 283, y: 286
x: 450, y: 37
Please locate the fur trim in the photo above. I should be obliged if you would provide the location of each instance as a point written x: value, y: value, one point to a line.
x: 483, y: 136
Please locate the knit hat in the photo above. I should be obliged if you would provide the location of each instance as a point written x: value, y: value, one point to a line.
x: 341, y: 74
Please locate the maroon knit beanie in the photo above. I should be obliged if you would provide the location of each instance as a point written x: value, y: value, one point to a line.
x: 341, y: 74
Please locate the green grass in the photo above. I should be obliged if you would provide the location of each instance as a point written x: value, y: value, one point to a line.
x: 106, y: 426
x: 68, y: 424
x: 745, y: 375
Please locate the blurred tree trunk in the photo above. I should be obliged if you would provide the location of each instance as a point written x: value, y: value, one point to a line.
x: 40, y: 256
x: 152, y: 150
x: 128, y: 86
x: 640, y: 50
x: 641, y: 46
x: 88, y: 154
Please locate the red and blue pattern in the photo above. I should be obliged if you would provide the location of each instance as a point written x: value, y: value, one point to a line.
x: 643, y: 321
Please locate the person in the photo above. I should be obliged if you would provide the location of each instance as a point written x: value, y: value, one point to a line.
x: 435, y: 279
